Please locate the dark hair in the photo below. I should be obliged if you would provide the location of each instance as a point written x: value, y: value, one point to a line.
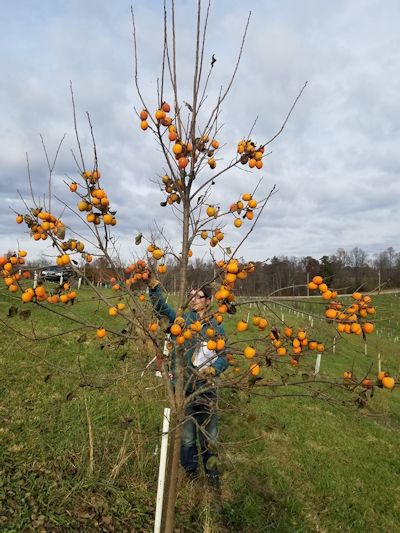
x: 205, y: 289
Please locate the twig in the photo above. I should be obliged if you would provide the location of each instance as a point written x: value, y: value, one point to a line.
x: 75, y: 125
x: 288, y: 115
x: 29, y: 179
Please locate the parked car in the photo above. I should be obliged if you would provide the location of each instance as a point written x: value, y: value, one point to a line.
x: 54, y: 273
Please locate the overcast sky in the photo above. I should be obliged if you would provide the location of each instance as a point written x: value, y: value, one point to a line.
x: 336, y: 165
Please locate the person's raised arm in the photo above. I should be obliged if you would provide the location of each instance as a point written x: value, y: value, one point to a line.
x: 158, y: 301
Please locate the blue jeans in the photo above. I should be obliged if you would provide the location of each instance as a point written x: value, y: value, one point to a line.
x: 202, y: 421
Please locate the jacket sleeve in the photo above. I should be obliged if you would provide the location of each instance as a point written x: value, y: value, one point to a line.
x: 221, y: 363
x: 160, y: 305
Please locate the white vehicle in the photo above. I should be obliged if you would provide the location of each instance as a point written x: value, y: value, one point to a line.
x: 54, y: 273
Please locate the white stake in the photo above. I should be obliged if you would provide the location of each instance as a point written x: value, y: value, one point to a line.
x: 35, y: 278
x: 317, y: 363
x: 61, y: 280
x: 283, y: 317
x: 79, y: 283
x: 248, y: 316
x: 161, y: 471
x: 334, y: 345
x: 166, y: 342
x: 379, y: 363
x: 365, y: 349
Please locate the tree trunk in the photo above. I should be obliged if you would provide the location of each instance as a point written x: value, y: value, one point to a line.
x: 185, y: 249
x: 172, y: 479
x: 176, y: 433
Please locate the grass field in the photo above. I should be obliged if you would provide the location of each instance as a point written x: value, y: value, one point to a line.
x: 291, y: 464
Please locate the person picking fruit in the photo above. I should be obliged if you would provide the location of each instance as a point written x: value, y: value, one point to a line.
x: 203, y: 344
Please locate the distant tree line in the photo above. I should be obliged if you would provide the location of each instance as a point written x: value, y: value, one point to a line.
x: 283, y: 275
x: 288, y: 275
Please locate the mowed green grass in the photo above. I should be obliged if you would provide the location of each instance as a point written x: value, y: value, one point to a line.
x: 292, y: 463
x: 324, y: 467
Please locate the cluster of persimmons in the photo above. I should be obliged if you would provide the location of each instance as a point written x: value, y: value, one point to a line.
x: 11, y: 269
x: 182, y: 150
x: 173, y: 189
x: 285, y: 342
x: 41, y: 224
x: 135, y: 272
x: 14, y: 276
x: 181, y: 332
x: 383, y: 380
x: 93, y: 199
x: 231, y: 272
x: 242, y: 209
x: 350, y: 319
x: 250, y: 154
x: 246, y: 205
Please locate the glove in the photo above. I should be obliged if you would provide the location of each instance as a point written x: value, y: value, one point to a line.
x: 208, y: 371
x: 152, y: 283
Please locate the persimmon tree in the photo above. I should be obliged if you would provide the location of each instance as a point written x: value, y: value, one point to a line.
x: 195, y: 163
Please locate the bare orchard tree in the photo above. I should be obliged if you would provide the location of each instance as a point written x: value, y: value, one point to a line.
x: 190, y: 146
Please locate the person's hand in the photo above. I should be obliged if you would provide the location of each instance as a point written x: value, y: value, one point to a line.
x: 150, y: 281
x: 207, y: 372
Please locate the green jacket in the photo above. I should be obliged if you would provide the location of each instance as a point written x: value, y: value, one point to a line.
x: 219, y: 364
